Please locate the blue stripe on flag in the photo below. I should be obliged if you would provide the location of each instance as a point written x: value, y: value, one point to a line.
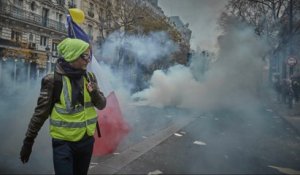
x: 74, y: 31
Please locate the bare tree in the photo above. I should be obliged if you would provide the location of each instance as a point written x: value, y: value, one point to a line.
x: 120, y: 14
x: 263, y: 15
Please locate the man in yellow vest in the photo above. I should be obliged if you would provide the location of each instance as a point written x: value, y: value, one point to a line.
x: 73, y: 118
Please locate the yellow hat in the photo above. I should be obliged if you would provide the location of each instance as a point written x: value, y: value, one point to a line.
x: 71, y: 48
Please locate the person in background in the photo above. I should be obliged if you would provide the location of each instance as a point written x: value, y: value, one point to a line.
x: 277, y: 87
x: 296, y: 87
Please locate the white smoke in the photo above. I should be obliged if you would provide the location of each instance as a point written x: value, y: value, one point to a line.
x: 145, y: 48
x: 233, y: 79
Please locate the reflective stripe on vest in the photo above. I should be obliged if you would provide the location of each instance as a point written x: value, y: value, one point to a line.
x: 73, y: 110
x: 72, y: 122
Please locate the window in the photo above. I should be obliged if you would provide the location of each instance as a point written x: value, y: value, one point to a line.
x: 91, y: 10
x: 33, y: 6
x: 18, y: 3
x: 91, y: 7
x: 118, y: 3
x: 16, y: 36
x: 58, y: 17
x: 109, y: 4
x: 44, y: 41
x: 101, y: 12
x: 60, y: 2
x: 31, y: 37
x: 90, y: 31
x: 54, y: 46
x: 45, y: 15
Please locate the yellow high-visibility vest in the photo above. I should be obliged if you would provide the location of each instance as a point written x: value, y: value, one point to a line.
x: 71, y: 123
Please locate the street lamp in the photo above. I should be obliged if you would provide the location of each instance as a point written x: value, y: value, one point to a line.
x: 72, y: 4
x: 48, y: 58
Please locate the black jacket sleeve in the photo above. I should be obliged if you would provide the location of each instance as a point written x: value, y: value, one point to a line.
x: 42, y: 110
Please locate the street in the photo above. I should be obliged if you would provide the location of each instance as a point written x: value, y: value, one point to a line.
x: 222, y: 142
x: 175, y: 141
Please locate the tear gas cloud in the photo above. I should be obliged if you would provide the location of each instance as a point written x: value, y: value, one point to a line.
x: 145, y: 48
x: 231, y: 86
x: 236, y: 76
x: 17, y: 105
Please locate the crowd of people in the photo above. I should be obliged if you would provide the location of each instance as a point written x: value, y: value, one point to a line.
x: 287, y: 89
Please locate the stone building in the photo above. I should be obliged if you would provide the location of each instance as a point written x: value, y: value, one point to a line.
x: 30, y: 31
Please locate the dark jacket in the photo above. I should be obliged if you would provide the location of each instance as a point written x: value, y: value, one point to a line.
x: 45, y: 100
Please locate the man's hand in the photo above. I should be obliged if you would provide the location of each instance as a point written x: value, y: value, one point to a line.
x: 92, y: 83
x: 26, y: 149
x: 91, y: 86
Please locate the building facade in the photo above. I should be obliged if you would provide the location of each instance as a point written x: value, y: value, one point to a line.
x: 30, y: 31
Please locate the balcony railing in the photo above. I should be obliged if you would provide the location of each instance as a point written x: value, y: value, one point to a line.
x: 30, y: 17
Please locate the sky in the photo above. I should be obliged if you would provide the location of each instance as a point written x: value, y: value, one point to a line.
x: 202, y: 15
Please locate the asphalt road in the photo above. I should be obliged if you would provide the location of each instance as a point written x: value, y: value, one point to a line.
x: 173, y: 141
x: 225, y: 141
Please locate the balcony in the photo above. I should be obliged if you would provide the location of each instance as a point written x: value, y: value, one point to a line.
x: 26, y: 16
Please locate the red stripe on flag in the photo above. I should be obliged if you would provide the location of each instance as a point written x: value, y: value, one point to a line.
x: 112, y: 126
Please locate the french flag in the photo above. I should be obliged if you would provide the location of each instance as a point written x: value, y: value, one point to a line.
x: 113, y: 127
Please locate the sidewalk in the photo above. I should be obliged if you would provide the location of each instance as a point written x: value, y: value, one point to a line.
x: 291, y: 116
x: 113, y: 164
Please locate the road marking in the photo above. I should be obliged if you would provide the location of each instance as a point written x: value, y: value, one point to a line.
x: 285, y: 170
x: 269, y: 110
x: 182, y: 132
x: 178, y: 135
x: 91, y: 166
x: 197, y: 142
x: 155, y: 172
